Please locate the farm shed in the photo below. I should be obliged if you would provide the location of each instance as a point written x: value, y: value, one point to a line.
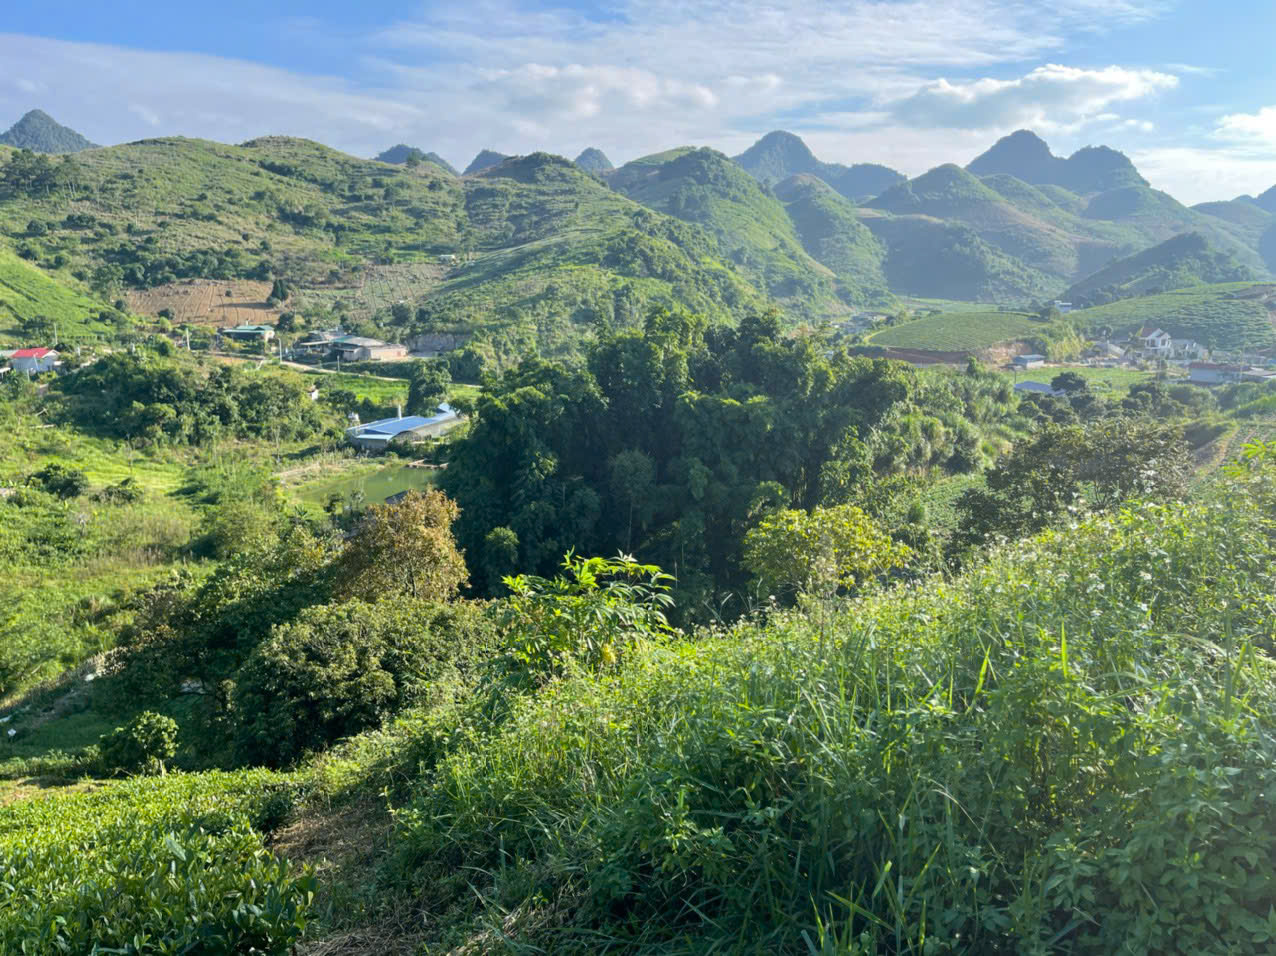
x: 354, y: 348
x: 376, y: 436
x: 1212, y: 373
x: 250, y: 332
x: 33, y: 360
x: 1029, y: 361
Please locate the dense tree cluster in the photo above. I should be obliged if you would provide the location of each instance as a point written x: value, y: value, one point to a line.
x: 673, y: 441
x: 142, y: 397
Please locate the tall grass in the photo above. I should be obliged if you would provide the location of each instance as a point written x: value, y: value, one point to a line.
x: 1068, y: 749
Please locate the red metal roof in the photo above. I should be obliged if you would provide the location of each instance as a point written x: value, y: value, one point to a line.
x: 31, y: 353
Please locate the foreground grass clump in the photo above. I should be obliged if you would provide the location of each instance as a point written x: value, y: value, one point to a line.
x: 1068, y: 749
x: 152, y: 865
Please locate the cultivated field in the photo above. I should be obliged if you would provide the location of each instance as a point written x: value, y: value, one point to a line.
x: 958, y: 331
x: 1227, y: 316
x: 376, y: 287
x: 1100, y: 379
x: 26, y: 293
x: 205, y: 302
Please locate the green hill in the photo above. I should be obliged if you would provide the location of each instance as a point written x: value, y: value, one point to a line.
x: 551, y: 251
x: 833, y: 234
x: 753, y: 229
x: 1183, y: 261
x: 398, y: 155
x: 594, y: 161
x: 41, y: 133
x: 28, y: 295
x: 930, y: 258
x: 1237, y: 315
x: 779, y: 155
x: 1268, y: 200
x: 486, y: 159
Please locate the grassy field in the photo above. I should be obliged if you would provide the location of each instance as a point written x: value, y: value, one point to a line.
x: 373, y: 481
x: 26, y: 292
x: 956, y: 331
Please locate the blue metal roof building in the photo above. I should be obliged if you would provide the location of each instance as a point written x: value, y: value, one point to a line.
x: 375, y: 436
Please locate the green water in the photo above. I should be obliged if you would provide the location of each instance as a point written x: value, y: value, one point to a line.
x: 376, y: 486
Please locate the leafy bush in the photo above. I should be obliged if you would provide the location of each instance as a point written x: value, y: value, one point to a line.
x: 151, y: 865
x: 60, y: 480
x: 142, y: 745
x: 343, y: 668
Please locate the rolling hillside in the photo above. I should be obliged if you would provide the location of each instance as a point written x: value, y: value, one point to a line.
x: 1026, y: 156
x: 753, y: 230
x: 832, y: 233
x: 551, y: 251
x: 1237, y: 315
x: 1185, y: 260
x: 400, y: 154
x: 958, y: 331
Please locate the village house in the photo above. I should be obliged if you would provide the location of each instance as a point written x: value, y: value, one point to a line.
x: 1188, y: 350
x: 1154, y: 342
x: 355, y: 348
x: 249, y: 333
x: 33, y: 361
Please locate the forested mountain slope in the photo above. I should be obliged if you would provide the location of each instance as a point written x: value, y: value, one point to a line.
x: 41, y: 133
x: 1183, y: 261
x: 751, y: 225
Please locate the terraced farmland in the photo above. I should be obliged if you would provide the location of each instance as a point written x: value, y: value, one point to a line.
x: 211, y: 302
x: 958, y: 331
x: 26, y: 293
x: 1226, y: 316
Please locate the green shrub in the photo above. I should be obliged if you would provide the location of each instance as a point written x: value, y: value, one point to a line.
x: 343, y: 668
x: 142, y: 745
x: 60, y: 480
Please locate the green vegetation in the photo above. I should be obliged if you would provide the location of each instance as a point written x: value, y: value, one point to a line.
x: 751, y: 226
x: 1227, y: 316
x: 1185, y: 260
x: 37, y: 309
x: 959, y: 331
x: 175, y: 864
x: 779, y: 155
x: 40, y: 133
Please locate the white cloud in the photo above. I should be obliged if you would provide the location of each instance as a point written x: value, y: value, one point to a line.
x: 1257, y: 129
x: 27, y: 86
x: 145, y: 113
x: 1049, y: 96
x: 1193, y: 174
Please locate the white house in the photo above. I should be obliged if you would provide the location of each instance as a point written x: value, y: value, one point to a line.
x: 1188, y: 349
x: 32, y: 361
x: 1155, y: 342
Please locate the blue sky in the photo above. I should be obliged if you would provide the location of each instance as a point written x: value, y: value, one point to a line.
x: 1184, y: 87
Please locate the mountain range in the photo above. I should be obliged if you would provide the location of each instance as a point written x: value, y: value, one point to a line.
x: 554, y: 248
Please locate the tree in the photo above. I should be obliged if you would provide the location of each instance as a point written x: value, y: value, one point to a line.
x: 60, y: 480
x: 1075, y: 467
x: 427, y: 387
x: 590, y: 613
x: 404, y: 548
x: 836, y: 548
x: 339, y: 669
x: 631, y: 474
x: 1070, y: 382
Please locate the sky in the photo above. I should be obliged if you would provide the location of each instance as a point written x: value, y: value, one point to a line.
x: 1184, y: 87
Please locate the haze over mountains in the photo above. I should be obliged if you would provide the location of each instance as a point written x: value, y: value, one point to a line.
x: 688, y: 226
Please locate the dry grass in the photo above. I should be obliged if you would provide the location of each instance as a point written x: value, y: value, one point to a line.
x: 205, y: 302
x: 344, y: 844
